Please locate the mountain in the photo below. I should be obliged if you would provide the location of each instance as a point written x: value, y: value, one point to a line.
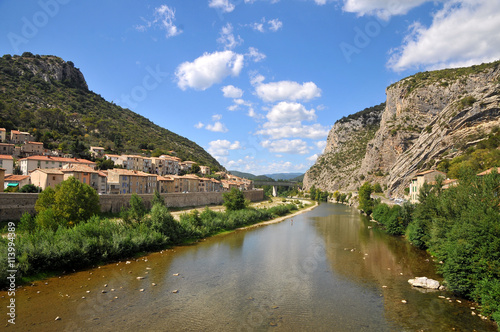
x: 49, y: 98
x: 430, y: 120
x: 283, y: 176
x: 251, y: 176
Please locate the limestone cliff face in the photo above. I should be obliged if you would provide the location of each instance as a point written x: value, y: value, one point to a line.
x: 427, y: 116
x: 338, y: 167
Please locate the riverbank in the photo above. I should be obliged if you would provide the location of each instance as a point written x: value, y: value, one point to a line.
x: 43, y: 252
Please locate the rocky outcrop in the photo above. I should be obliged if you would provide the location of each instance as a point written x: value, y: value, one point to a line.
x: 427, y: 117
x: 424, y: 282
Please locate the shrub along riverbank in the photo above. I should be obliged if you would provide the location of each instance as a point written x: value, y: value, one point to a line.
x: 41, y: 247
x: 460, y: 226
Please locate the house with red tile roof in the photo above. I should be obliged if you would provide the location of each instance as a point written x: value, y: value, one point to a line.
x: 31, y: 163
x: 16, y: 180
x: 44, y: 178
x: 7, y: 162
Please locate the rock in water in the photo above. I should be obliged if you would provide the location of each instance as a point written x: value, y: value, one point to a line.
x: 424, y: 282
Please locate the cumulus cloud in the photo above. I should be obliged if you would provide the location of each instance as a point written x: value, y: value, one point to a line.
x: 218, y: 127
x: 255, y: 55
x: 462, y: 33
x: 220, y: 148
x: 314, y: 131
x: 227, y: 37
x: 230, y: 91
x: 264, y: 25
x: 164, y: 18
x: 225, y: 5
x: 381, y: 8
x: 296, y: 146
x: 286, y: 112
x: 313, y: 158
x: 287, y: 90
x: 321, y: 145
x: 199, y: 125
x: 208, y: 69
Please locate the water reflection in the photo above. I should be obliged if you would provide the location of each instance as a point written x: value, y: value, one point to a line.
x: 325, y: 271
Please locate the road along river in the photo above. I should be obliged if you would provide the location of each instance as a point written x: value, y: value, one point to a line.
x: 324, y: 270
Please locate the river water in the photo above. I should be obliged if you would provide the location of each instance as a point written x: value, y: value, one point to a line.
x: 324, y: 270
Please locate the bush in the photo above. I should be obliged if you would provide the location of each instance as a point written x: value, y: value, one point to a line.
x: 234, y: 200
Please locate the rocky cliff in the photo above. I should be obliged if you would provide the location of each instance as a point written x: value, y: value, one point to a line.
x: 427, y: 117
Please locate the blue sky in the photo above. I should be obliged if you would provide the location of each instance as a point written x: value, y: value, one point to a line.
x: 257, y: 83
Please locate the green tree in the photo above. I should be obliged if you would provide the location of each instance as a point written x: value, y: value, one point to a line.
x: 365, y: 200
x: 30, y: 188
x: 234, y: 200
x: 45, y: 200
x: 377, y: 188
x: 75, y: 201
x: 195, y: 168
x: 157, y: 199
x: 137, y: 209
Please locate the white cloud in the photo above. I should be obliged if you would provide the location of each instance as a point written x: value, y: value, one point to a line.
x: 275, y: 25
x: 227, y: 37
x: 320, y: 2
x: 216, y: 117
x: 164, y: 18
x: 220, y: 148
x: 314, y: 131
x: 286, y: 112
x: 296, y: 146
x: 381, y: 8
x: 313, y: 158
x: 255, y: 55
x: 225, y: 5
x: 217, y: 127
x: 230, y: 91
x: 208, y: 69
x: 462, y: 33
x: 287, y: 90
x: 256, y: 78
x: 199, y: 125
x: 321, y: 145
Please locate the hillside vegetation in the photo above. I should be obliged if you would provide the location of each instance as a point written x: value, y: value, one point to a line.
x: 49, y: 98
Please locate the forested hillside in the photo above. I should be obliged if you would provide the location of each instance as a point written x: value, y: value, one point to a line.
x: 49, y: 98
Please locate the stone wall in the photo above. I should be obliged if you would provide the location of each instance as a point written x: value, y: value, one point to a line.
x: 13, y: 205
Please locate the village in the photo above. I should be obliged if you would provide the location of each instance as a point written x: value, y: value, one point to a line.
x: 131, y: 173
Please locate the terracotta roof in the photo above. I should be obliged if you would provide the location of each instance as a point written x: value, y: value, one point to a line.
x: 38, y: 143
x: 12, y: 177
x: 78, y: 168
x: 6, y: 144
x: 2, y: 129
x: 165, y: 178
x: 127, y: 172
x: 97, y: 147
x: 59, y: 159
x: 4, y: 156
x: 429, y: 171
x: 48, y: 171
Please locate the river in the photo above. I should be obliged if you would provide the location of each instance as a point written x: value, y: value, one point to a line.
x: 324, y: 270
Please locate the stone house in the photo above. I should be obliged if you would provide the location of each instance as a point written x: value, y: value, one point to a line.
x: 29, y: 164
x: 87, y: 175
x: 19, y: 137
x: 165, y: 184
x: 418, y: 181
x: 205, y: 170
x: 48, y: 177
x: 7, y: 162
x: 32, y: 148
x: 6, y: 148
x: 97, y: 151
x: 3, y: 135
x: 123, y: 181
x: 16, y: 180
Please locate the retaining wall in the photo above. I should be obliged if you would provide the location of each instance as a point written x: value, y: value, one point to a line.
x: 13, y: 205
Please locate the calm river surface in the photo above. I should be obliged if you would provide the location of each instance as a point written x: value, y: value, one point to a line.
x: 324, y: 270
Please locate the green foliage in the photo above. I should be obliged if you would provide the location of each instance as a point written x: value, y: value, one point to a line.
x: 467, y: 101
x: 157, y: 199
x: 234, y: 200
x: 75, y: 202
x: 377, y: 188
x: 79, y: 118
x: 136, y: 211
x: 364, y: 115
x: 160, y: 220
x: 365, y: 200
x: 46, y: 199
x: 30, y: 188
x: 27, y: 223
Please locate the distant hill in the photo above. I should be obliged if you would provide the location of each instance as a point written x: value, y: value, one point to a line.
x: 49, y: 98
x: 270, y: 177
x: 284, y: 176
